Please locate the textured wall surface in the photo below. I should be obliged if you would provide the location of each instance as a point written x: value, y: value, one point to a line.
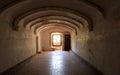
x: 15, y: 46
x: 102, y: 46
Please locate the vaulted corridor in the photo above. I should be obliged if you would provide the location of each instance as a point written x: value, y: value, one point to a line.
x: 53, y: 63
x: 88, y: 28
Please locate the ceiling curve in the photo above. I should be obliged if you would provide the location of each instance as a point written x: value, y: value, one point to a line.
x: 53, y: 14
x: 56, y: 23
x: 57, y: 27
x: 28, y: 13
x: 48, y: 18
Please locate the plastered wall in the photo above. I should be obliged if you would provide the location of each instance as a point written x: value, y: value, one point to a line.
x: 101, y: 47
x: 15, y: 46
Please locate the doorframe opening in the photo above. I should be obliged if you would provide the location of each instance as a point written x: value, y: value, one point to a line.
x: 57, y: 41
x: 64, y: 41
x: 67, y: 42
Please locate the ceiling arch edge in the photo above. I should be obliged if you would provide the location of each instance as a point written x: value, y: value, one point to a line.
x: 78, y: 14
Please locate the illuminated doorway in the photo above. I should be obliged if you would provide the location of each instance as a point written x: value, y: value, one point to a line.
x: 56, y: 41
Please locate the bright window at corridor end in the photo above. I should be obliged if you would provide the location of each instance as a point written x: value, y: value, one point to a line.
x: 56, y: 39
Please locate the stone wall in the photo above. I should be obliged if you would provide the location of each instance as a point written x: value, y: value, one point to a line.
x: 15, y: 46
x: 101, y: 47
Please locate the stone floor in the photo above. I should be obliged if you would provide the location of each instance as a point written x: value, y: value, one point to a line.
x: 53, y: 63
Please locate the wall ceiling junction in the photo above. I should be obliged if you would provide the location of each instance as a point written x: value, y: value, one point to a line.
x: 30, y: 13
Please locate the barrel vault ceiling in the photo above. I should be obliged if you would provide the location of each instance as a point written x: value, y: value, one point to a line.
x: 76, y: 14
